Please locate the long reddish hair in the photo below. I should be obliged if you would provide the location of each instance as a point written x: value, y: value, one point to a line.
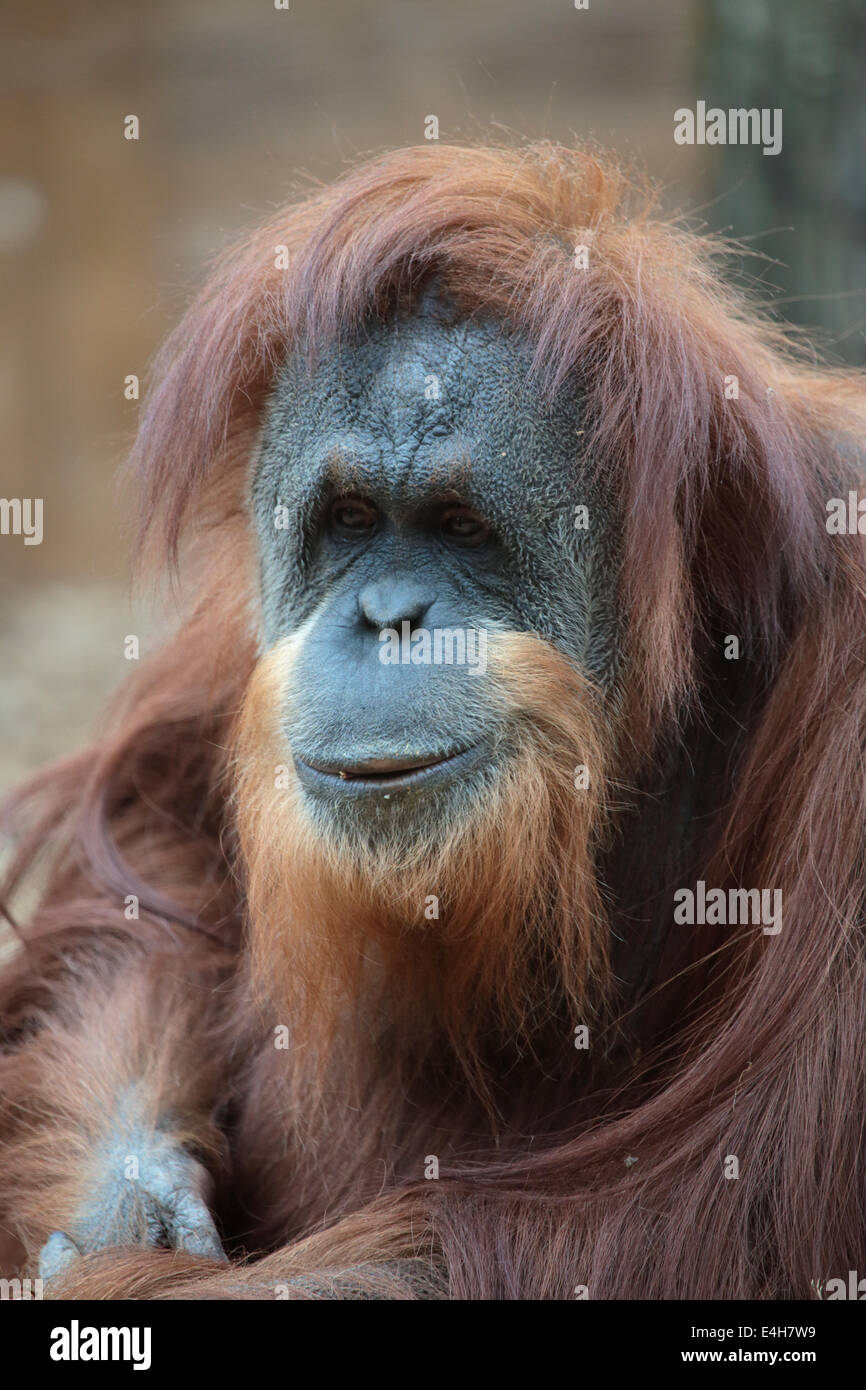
x: 749, y: 1046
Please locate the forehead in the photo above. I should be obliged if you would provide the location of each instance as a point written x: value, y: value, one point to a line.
x: 424, y: 406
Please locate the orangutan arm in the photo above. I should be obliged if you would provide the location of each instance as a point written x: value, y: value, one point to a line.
x: 107, y: 1117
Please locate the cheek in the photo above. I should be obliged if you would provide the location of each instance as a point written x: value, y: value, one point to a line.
x: 260, y: 735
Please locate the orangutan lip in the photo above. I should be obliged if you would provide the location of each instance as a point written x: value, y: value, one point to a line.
x: 378, y: 774
x: 384, y: 767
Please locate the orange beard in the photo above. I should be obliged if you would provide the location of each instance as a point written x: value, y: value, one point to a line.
x: 343, y: 936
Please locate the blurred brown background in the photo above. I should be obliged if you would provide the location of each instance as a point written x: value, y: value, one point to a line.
x: 101, y: 238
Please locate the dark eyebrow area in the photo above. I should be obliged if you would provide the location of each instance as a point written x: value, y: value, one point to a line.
x: 347, y: 471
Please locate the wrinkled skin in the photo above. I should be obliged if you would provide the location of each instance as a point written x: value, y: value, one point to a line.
x: 163, y: 1206
x: 421, y: 480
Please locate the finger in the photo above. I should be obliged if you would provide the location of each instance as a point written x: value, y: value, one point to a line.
x: 56, y: 1255
x: 157, y: 1227
x: 190, y: 1227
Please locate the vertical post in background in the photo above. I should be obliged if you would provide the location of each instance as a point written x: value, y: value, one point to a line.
x: 809, y: 59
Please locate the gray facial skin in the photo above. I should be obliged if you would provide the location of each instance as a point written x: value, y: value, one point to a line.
x: 428, y: 431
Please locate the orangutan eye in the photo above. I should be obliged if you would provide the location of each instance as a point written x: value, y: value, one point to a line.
x: 462, y: 526
x: 353, y: 517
